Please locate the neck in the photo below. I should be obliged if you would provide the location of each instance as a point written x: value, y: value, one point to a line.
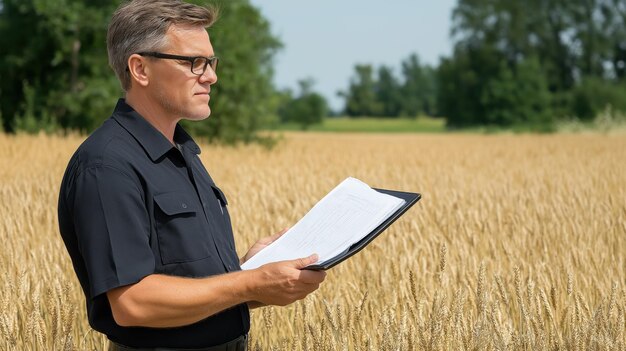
x: 153, y: 113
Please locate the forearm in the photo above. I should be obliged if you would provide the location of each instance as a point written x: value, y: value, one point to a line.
x: 255, y: 304
x: 168, y: 301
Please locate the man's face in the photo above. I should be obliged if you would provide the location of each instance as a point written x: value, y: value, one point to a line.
x: 178, y: 91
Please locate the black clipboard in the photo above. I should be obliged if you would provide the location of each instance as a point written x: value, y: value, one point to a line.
x: 410, y: 198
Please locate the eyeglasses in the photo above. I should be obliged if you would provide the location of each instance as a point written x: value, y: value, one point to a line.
x: 198, y: 63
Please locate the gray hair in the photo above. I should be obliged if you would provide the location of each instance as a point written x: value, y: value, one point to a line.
x: 141, y: 25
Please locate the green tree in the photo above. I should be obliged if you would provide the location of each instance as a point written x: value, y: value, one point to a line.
x: 518, y: 97
x: 386, y: 96
x: 307, y: 108
x: 419, y: 89
x: 571, y: 43
x: 54, y: 70
x: 361, y: 95
x: 461, y: 82
x: 519, y: 29
x: 388, y: 93
x: 609, y: 19
x: 593, y: 95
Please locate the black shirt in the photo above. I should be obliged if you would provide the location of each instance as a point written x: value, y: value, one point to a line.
x: 132, y: 204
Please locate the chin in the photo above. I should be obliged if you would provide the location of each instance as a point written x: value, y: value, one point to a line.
x: 199, y: 115
x: 196, y: 118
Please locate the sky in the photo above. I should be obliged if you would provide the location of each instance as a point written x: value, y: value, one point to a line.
x: 324, y: 39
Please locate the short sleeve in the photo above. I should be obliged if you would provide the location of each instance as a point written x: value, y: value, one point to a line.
x: 112, y: 228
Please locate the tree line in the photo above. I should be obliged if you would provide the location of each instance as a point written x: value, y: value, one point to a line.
x: 380, y: 93
x: 533, y: 61
x: 513, y: 63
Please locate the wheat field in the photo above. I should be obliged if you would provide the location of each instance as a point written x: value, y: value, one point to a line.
x: 519, y: 242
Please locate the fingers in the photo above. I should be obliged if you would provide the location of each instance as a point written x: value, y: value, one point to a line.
x: 286, y: 281
x: 312, y: 277
x: 279, y: 234
x: 270, y: 239
x: 304, y: 261
x: 309, y: 276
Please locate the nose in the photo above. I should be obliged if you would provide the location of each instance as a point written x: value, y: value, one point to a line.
x: 209, y: 76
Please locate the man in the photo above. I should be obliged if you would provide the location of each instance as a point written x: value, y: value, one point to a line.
x: 147, y: 229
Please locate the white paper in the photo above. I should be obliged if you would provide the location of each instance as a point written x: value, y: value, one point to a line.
x: 343, y: 217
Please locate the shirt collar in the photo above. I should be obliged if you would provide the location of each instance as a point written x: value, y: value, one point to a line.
x: 152, y: 140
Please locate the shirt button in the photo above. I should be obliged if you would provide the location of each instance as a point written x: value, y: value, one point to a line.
x: 184, y: 205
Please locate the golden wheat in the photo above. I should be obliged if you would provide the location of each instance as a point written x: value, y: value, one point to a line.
x: 519, y: 242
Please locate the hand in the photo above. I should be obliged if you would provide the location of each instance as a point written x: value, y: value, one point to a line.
x: 260, y: 245
x: 284, y: 282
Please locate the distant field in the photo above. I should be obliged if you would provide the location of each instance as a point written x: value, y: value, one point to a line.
x: 372, y: 125
x: 602, y: 124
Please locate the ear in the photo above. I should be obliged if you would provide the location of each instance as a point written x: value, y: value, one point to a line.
x: 139, y: 70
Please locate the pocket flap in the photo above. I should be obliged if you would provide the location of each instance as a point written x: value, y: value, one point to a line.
x: 219, y: 194
x: 175, y: 203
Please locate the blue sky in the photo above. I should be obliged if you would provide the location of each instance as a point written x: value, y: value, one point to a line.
x: 324, y: 39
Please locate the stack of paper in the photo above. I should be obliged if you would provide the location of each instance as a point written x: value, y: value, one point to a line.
x: 343, y: 217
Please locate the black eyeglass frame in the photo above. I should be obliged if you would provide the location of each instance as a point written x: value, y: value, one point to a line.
x: 213, y: 60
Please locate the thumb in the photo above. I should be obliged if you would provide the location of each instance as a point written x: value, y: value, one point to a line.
x: 305, y: 261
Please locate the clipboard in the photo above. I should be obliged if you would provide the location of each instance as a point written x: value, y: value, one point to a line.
x: 410, y: 198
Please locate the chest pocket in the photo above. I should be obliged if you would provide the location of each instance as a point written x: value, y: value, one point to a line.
x: 181, y: 235
x: 222, y: 203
